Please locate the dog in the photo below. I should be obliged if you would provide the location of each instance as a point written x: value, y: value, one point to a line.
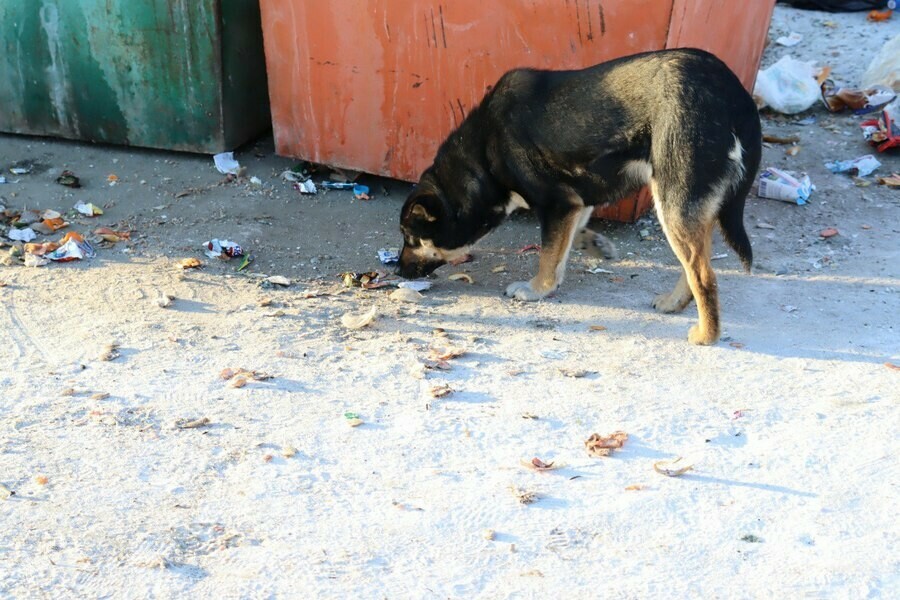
x: 561, y: 143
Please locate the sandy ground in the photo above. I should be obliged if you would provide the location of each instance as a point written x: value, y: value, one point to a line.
x: 790, y: 422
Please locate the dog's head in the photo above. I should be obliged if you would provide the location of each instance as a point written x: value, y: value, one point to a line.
x: 432, y: 233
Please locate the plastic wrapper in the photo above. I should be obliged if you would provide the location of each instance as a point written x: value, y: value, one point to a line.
x: 781, y: 185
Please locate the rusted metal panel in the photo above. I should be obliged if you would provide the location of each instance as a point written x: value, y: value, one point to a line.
x: 141, y: 73
x: 733, y: 31
x: 377, y: 86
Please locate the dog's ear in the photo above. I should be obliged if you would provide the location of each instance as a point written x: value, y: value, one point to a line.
x: 424, y: 209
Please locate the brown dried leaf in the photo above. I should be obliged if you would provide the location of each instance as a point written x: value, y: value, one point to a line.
x: 461, y: 277
x: 598, y: 445
x: 190, y: 263
x: 597, y: 328
x: 536, y: 464
x: 191, y: 423
x: 439, y: 391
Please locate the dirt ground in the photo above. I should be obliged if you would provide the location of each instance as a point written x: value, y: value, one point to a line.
x: 790, y: 421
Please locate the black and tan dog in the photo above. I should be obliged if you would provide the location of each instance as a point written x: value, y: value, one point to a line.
x: 562, y: 142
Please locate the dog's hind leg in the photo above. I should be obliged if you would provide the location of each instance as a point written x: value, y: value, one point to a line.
x: 692, y: 243
x: 595, y: 244
x: 557, y: 234
x: 676, y: 300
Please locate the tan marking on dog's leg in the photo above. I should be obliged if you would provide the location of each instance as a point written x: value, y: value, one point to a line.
x: 694, y: 248
x: 552, y: 266
x: 676, y: 300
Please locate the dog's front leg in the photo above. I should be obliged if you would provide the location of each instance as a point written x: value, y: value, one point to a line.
x: 558, y: 230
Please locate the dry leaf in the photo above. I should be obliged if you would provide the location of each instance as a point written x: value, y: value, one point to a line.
x: 597, y: 328
x: 351, y: 321
x: 499, y: 269
x: 288, y: 451
x: 672, y: 468
x: 792, y: 151
x: 829, y: 232
x: 892, y: 181
x: 191, y: 423
x: 445, y: 353
x: 439, y: 391
x: 523, y: 496
x: 68, y: 392
x: 42, y: 480
x: 776, y: 139
x: 109, y: 352
x: 536, y: 464
x: 100, y: 396
x: 238, y: 382
x: 461, y: 277
x: 892, y: 366
x: 635, y: 487
x: 190, y: 263
x: 573, y: 372
x: 598, y: 445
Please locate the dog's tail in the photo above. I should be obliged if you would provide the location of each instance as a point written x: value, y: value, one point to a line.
x: 731, y: 214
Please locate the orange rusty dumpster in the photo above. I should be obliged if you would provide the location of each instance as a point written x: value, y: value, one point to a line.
x: 376, y: 86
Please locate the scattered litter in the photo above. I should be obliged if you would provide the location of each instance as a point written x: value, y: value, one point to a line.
x: 306, y: 187
x: 788, y: 308
x: 598, y: 270
x: 499, y: 269
x: 829, y: 232
x: 884, y: 131
x: 100, y: 396
x: 837, y: 97
x: 419, y: 285
x: 365, y: 280
x: 226, y: 164
x: 72, y: 246
x: 810, y: 120
x: 792, y: 39
x: 634, y: 487
x: 293, y: 176
x: 764, y: 225
x: 361, y: 192
x: 112, y: 179
x: 892, y: 181
x: 50, y: 225
x: 388, y: 256
x: 446, y: 353
x: 860, y: 167
x: 885, y: 66
x: 536, y: 464
x: 672, y: 468
x: 25, y: 234
x: 68, y: 179
x: 108, y: 235
x: 288, y: 451
x: 255, y: 180
x: 191, y: 423
x: 245, y: 262
x: 406, y: 295
x: 164, y: 300
x: 222, y: 249
x: 441, y: 390
x: 274, y: 313
x: 529, y: 248
x: 352, y: 419
x: 351, y: 321
x: 878, y: 16
x: 2, y: 179
x: 776, y: 139
x: 23, y: 170
x: 88, y: 209
x: 189, y: 263
x: 792, y: 151
x: 781, y: 185
x: 789, y: 86
x: 488, y: 534
x: 598, y: 445
x: 750, y: 537
x: 32, y: 260
x: 42, y: 480
x: 645, y: 234
x: 109, y: 352
x: 278, y: 280
x: 597, y: 328
x: 461, y: 277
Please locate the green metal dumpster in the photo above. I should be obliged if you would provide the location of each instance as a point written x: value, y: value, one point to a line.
x: 173, y: 74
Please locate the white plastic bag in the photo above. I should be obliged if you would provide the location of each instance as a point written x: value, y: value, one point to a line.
x: 885, y: 67
x: 789, y: 86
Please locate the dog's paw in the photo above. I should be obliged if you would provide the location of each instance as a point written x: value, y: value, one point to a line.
x: 666, y: 303
x: 522, y: 290
x: 702, y: 338
x: 605, y: 246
